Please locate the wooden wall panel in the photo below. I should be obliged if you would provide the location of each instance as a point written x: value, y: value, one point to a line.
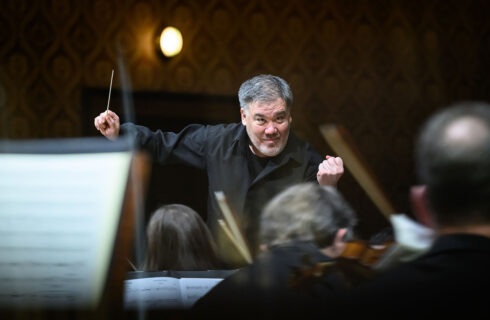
x: 377, y: 67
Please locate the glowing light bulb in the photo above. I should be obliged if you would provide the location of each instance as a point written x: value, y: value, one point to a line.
x: 171, y: 41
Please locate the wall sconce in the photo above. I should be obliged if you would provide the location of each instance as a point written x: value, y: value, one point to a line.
x: 170, y: 41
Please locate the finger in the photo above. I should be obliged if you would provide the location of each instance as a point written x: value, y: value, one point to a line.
x: 114, y: 120
x: 323, y: 168
x: 331, y: 161
x: 101, y: 120
x: 100, y: 123
x: 112, y: 115
x: 339, y: 161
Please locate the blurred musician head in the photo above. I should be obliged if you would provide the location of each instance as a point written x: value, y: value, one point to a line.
x: 311, y: 213
x: 453, y: 161
x: 178, y: 239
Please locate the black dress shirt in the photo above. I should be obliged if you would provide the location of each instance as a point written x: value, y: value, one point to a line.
x: 222, y: 151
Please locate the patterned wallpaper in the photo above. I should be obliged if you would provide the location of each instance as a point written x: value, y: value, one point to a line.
x: 376, y: 67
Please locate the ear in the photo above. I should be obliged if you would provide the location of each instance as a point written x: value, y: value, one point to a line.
x: 244, y: 116
x: 339, y: 237
x: 338, y: 245
x: 420, y: 207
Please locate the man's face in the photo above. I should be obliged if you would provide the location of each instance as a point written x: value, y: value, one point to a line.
x: 267, y: 125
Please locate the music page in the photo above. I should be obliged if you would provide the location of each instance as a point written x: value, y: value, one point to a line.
x: 166, y: 292
x: 58, y: 221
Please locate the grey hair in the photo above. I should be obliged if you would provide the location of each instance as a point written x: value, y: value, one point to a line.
x: 264, y: 88
x: 306, y: 212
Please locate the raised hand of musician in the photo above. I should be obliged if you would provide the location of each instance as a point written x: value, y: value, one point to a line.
x: 330, y: 171
x: 108, y: 124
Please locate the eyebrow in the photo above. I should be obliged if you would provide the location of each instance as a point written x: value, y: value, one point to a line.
x: 277, y: 114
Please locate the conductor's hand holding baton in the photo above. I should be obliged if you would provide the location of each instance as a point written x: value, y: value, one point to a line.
x: 108, y: 124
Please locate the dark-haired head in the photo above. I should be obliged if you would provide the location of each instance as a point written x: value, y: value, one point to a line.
x: 178, y: 239
x: 453, y: 161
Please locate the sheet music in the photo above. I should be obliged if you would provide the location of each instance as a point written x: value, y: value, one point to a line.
x: 412, y: 240
x: 58, y: 219
x: 410, y: 233
x: 166, y: 292
x: 194, y: 288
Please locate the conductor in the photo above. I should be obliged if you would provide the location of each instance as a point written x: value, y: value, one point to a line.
x: 250, y: 162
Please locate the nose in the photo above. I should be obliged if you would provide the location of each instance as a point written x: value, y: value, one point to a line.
x: 271, y: 129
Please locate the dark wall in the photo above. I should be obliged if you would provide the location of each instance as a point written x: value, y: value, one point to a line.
x: 379, y: 68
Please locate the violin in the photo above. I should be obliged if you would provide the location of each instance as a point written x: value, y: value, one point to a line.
x: 365, y: 254
x: 349, y: 271
x: 369, y: 252
x: 355, y: 264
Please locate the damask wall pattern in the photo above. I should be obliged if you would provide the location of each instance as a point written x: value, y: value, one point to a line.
x: 378, y: 67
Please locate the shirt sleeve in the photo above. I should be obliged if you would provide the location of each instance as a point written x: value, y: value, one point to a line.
x: 314, y: 159
x: 185, y: 147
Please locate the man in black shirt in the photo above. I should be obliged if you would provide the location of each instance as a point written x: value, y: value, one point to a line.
x: 250, y: 162
x: 451, y: 279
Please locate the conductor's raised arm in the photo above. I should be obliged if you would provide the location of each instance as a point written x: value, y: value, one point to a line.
x: 108, y: 124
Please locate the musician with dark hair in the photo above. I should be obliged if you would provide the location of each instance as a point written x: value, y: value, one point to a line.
x: 178, y: 239
x: 250, y: 161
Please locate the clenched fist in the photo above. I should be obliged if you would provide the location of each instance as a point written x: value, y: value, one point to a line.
x: 108, y: 124
x: 330, y: 171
